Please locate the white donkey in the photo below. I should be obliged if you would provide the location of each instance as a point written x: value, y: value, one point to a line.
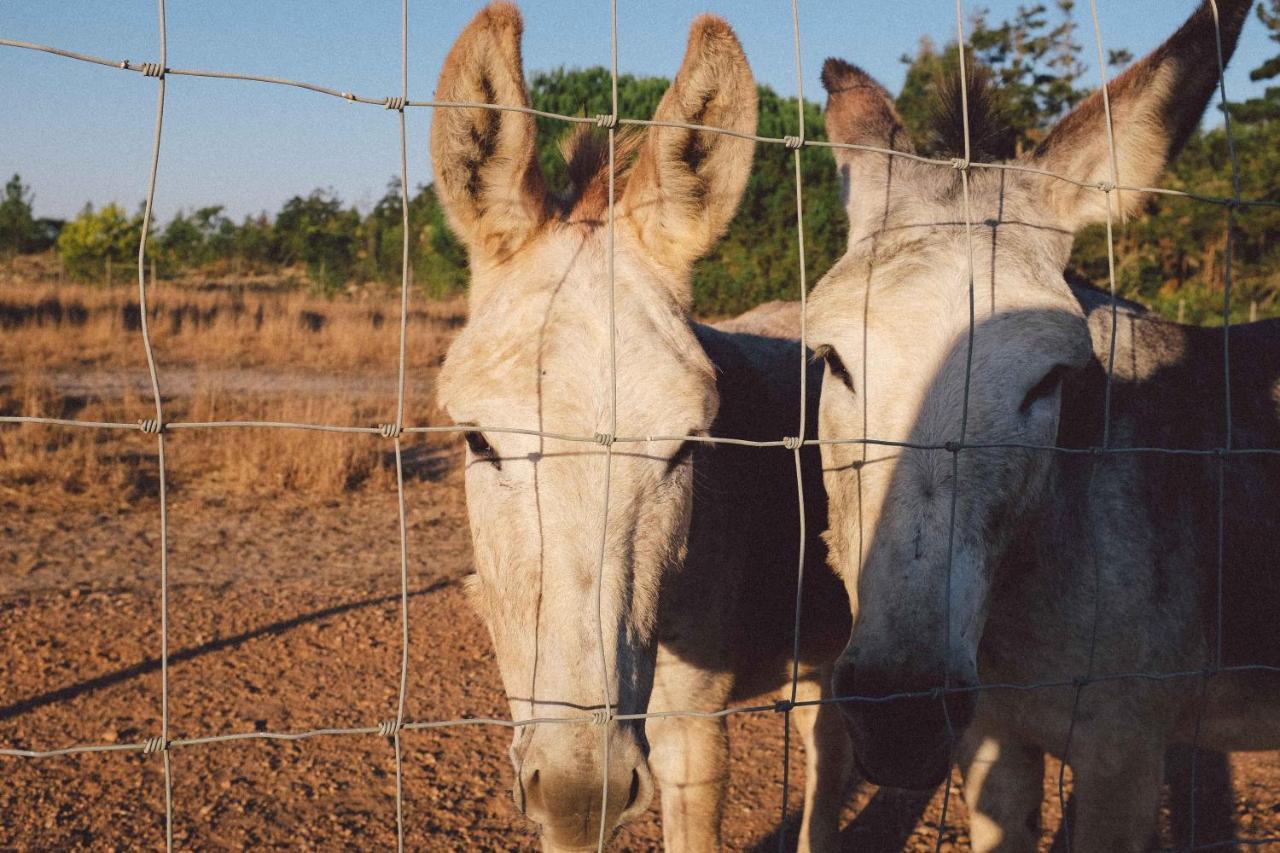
x: 699, y: 570
x: 1043, y: 542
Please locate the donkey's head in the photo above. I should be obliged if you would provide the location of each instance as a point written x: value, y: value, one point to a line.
x: 893, y: 321
x: 535, y: 355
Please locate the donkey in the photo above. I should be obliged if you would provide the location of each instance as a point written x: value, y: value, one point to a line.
x: 698, y: 581
x: 978, y: 565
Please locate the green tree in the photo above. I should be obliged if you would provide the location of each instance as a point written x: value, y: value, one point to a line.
x: 1265, y: 108
x: 18, y: 229
x: 318, y: 232
x: 198, y: 239
x: 96, y: 236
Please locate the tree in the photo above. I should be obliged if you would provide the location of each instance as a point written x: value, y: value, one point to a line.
x: 18, y: 229
x: 196, y: 240
x: 1267, y: 107
x: 319, y: 233
x: 93, y: 238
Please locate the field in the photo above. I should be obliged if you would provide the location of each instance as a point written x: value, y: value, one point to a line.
x: 284, y: 595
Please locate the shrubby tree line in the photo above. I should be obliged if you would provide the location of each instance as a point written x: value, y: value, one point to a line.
x: 1172, y: 257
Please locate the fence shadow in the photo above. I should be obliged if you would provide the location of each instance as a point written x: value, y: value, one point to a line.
x: 150, y: 665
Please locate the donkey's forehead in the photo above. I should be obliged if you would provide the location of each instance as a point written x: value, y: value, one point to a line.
x: 539, y: 344
x: 919, y: 271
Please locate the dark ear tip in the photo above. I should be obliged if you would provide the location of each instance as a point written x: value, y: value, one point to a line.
x: 837, y: 74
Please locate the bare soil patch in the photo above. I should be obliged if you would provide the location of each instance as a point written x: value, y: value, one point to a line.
x: 284, y: 606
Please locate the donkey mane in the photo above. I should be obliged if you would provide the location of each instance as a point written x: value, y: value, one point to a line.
x: 991, y: 135
x: 586, y: 154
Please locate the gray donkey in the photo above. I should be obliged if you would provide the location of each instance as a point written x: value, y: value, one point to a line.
x: 698, y: 582
x: 994, y: 565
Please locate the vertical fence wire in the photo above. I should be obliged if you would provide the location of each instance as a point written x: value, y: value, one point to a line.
x: 963, y: 167
x: 157, y: 427
x: 796, y: 144
x: 398, y: 426
x: 613, y: 428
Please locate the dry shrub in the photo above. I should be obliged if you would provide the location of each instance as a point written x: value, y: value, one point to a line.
x: 68, y: 326
x: 75, y: 351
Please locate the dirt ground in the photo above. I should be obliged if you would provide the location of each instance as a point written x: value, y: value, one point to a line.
x: 284, y: 617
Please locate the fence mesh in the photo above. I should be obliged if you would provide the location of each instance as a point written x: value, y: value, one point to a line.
x: 396, y: 428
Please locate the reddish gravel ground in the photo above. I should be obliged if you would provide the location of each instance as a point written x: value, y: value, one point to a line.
x: 284, y: 617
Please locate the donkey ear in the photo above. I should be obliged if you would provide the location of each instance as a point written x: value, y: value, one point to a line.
x: 686, y: 184
x: 861, y: 112
x: 485, y: 160
x: 1155, y: 107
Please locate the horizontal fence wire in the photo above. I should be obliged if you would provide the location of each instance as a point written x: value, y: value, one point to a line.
x: 397, y: 429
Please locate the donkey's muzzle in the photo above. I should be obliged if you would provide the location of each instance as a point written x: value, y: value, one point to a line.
x: 561, y: 785
x: 902, y: 742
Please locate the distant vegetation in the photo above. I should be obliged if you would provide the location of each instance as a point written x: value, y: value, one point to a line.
x: 1173, y: 257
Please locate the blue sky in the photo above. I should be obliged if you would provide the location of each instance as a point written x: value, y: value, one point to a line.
x: 79, y: 132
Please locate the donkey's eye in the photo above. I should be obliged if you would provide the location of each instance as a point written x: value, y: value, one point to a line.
x: 481, y: 447
x: 837, y: 368
x: 1044, y: 388
x: 682, y: 456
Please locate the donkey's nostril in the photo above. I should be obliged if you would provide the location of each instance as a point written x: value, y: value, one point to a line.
x: 634, y: 793
x: 532, y: 795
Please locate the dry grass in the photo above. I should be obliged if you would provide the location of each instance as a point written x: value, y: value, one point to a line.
x: 224, y: 353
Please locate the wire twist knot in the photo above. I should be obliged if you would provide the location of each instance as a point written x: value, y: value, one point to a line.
x: 394, y: 103
x: 388, y: 728
x: 606, y: 120
x: 349, y: 97
x: 952, y: 447
x: 792, y: 442
x: 795, y: 143
x: 151, y: 426
x: 1106, y: 186
x: 390, y: 430
x: 604, y: 439
x: 154, y: 744
x: 783, y: 706
x: 601, y: 716
x: 152, y: 69
x: 960, y: 164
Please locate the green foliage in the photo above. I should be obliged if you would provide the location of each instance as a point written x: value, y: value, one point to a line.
x: 758, y: 259
x: 18, y: 230
x: 1266, y: 108
x: 318, y: 232
x: 95, y: 237
x: 196, y: 240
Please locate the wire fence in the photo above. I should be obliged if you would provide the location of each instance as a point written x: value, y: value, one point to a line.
x: 396, y: 428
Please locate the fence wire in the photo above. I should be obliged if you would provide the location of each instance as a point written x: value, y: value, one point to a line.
x: 397, y: 428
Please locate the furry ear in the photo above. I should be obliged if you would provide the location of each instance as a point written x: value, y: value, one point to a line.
x: 485, y: 160
x: 686, y: 184
x: 1155, y: 107
x: 860, y: 112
